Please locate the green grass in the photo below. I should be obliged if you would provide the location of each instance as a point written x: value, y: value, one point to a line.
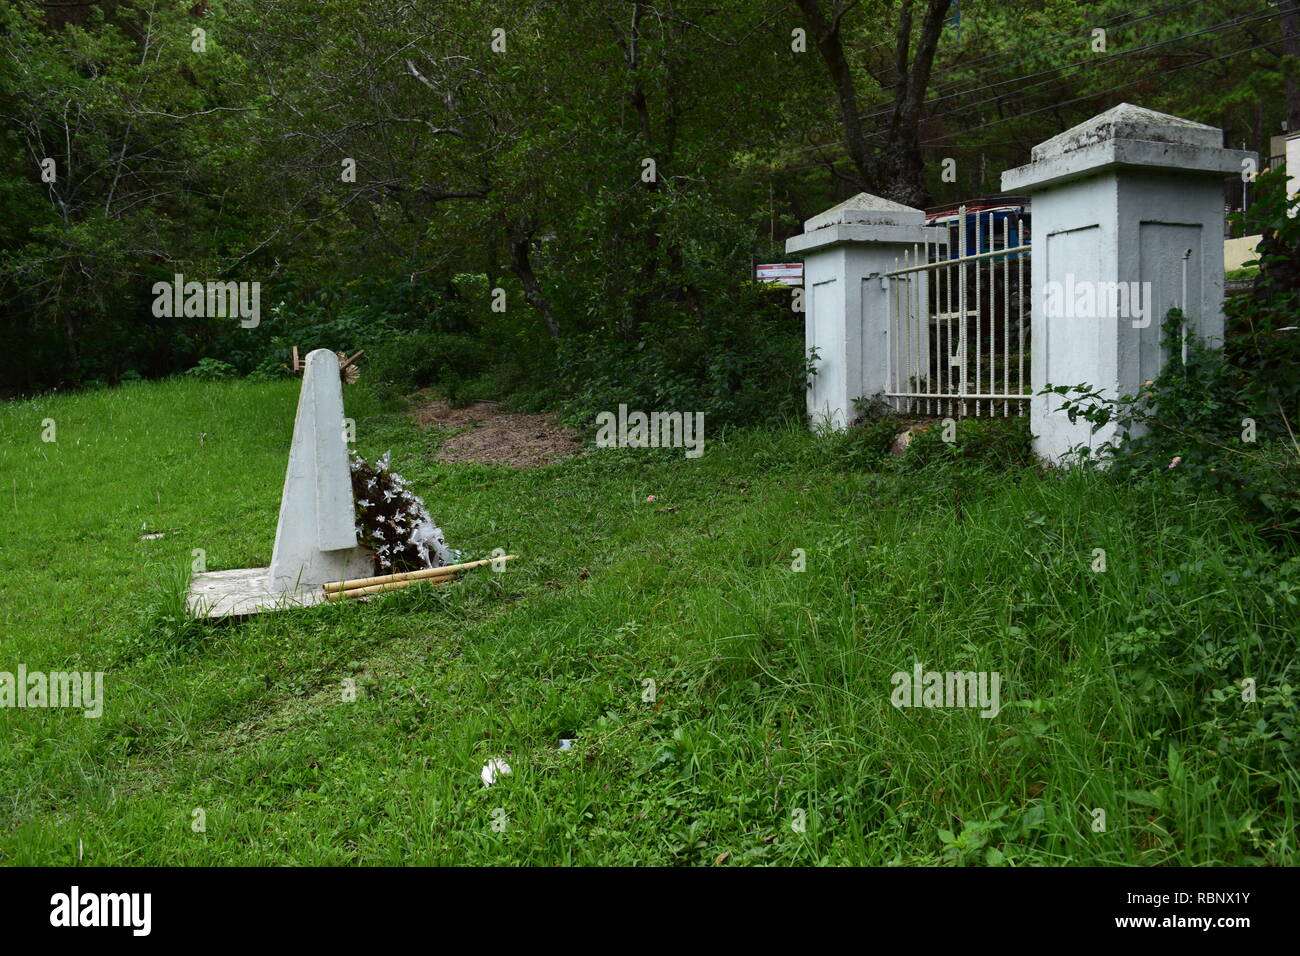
x: 772, y: 686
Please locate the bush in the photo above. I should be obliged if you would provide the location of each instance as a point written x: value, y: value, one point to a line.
x: 744, y: 366
x: 212, y: 370
x: 997, y: 443
x: 1263, y: 340
x: 418, y: 360
x: 1204, y: 423
x: 864, y: 446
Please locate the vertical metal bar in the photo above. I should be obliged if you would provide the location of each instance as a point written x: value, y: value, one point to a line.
x: 922, y: 304
x: 1020, y: 324
x: 979, y: 312
x: 897, y: 290
x: 922, y: 328
x: 961, y: 313
x: 941, y: 342
x: 891, y: 285
x: 907, y: 322
x: 918, y: 317
x: 991, y: 303
x: 932, y: 288
x: 941, y: 330
x: 902, y: 293
x: 1006, y: 315
x: 953, y: 276
x: 905, y: 329
x: 936, y: 330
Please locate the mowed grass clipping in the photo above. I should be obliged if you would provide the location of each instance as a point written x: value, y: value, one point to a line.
x: 726, y: 707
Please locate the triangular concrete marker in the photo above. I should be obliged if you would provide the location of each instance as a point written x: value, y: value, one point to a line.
x: 316, y: 538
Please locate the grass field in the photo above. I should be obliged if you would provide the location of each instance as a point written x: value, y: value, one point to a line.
x: 770, y: 737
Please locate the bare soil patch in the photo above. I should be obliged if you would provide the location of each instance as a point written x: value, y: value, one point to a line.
x: 486, y: 435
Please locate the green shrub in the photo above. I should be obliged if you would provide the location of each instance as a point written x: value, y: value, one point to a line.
x: 997, y: 443
x: 212, y: 370
x: 864, y: 446
x: 743, y: 366
x: 418, y: 360
x: 270, y: 370
x: 1263, y: 340
x: 1204, y: 423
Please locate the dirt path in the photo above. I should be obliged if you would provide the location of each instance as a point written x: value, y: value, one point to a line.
x: 486, y: 435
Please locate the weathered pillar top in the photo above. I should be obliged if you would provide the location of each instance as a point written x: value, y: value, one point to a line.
x: 1126, y: 136
x: 864, y: 218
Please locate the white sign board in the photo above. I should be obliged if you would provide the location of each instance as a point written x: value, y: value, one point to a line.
x: 781, y: 273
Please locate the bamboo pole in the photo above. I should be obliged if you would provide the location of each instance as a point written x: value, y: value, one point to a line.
x: 446, y: 571
x: 388, y: 586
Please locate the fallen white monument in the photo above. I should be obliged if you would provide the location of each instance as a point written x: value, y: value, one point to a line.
x: 316, y: 538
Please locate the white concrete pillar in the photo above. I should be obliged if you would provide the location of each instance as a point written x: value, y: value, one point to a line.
x: 1127, y: 223
x: 316, y: 538
x: 846, y: 304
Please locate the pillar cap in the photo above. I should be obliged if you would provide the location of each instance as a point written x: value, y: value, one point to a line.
x: 1126, y: 136
x: 866, y: 209
x: 865, y: 218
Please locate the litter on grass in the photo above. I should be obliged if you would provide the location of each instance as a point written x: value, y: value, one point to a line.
x: 492, y: 769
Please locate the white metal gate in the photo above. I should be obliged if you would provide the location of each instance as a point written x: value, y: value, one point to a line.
x: 959, y: 320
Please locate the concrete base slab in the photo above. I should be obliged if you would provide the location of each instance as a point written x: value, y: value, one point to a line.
x: 244, y: 591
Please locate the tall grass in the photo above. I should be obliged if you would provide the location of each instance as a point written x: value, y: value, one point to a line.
x: 722, y: 702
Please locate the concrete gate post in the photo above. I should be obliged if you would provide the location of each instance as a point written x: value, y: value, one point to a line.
x: 846, y: 251
x: 1128, y: 216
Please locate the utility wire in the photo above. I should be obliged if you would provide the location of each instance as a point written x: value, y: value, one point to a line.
x: 1088, y: 96
x: 1086, y: 64
x: 1008, y: 119
x: 1089, y: 64
x: 1074, y: 37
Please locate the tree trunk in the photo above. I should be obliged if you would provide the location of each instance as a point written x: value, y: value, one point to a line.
x: 826, y: 34
x: 522, y: 266
x: 897, y: 170
x: 903, y: 173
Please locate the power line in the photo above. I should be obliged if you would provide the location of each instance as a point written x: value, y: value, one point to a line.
x: 1078, y: 99
x: 1088, y: 96
x: 1147, y: 15
x: 1073, y: 36
x: 1087, y: 64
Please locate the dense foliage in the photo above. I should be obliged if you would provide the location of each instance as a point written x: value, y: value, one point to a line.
x: 383, y: 170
